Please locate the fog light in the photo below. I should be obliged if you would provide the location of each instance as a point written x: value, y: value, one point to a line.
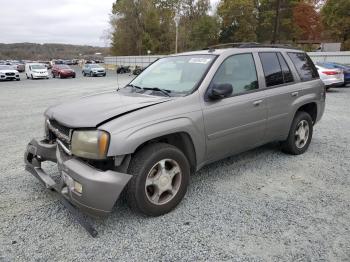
x: 78, y: 187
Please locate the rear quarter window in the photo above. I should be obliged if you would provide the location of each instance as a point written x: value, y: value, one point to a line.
x: 305, y: 67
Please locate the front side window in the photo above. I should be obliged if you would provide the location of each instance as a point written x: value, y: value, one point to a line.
x: 239, y: 71
x: 179, y: 75
x: 305, y: 67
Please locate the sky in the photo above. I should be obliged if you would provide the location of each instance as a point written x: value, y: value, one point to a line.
x: 81, y: 22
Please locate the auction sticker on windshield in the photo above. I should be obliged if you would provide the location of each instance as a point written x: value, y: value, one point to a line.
x: 199, y: 60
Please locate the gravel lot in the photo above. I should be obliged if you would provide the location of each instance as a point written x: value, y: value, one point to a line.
x: 262, y: 205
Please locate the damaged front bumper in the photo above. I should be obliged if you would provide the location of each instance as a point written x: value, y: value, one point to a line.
x: 98, y: 190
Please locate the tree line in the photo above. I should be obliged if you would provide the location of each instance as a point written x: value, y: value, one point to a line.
x: 142, y: 25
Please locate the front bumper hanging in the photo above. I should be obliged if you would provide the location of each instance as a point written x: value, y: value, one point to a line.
x: 98, y: 190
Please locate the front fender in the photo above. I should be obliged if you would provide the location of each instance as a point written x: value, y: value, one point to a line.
x: 128, y: 141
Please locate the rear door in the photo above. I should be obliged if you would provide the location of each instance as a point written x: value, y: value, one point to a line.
x: 235, y: 123
x: 286, y: 74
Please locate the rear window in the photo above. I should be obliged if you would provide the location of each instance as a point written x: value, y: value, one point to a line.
x: 305, y: 67
x: 276, y: 70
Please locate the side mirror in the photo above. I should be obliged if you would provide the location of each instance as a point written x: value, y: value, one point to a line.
x: 220, y: 91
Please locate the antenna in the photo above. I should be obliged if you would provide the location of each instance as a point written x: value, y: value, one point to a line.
x: 118, y: 87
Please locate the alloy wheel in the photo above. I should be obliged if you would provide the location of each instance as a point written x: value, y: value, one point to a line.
x: 163, y: 181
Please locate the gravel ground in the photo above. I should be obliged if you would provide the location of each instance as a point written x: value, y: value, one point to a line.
x: 262, y: 205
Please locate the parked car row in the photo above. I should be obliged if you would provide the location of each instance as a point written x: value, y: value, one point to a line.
x: 333, y: 74
x: 40, y: 71
x: 14, y: 64
x: 126, y: 70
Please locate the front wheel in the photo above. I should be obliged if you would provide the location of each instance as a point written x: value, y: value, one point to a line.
x: 160, y: 178
x: 91, y: 74
x: 300, y: 134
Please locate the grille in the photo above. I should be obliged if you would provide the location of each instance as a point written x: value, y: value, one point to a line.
x: 61, y: 132
x: 10, y: 74
x: 61, y: 128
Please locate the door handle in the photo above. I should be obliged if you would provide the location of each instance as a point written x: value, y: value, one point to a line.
x: 295, y: 94
x: 257, y: 103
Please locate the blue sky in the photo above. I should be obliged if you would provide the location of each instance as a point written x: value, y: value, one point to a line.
x: 63, y: 21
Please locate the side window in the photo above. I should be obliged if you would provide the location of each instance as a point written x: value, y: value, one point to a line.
x: 239, y: 71
x: 287, y: 74
x: 272, y: 69
x: 305, y: 67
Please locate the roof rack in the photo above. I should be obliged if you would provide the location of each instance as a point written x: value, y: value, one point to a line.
x: 249, y: 45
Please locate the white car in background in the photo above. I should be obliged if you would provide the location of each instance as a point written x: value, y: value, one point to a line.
x: 36, y: 70
x: 8, y: 73
x: 330, y: 76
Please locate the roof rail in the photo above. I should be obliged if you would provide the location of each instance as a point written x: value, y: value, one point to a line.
x: 249, y: 45
x: 257, y: 45
x: 227, y: 45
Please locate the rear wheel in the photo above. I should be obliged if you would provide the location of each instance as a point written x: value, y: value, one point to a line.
x: 160, y: 178
x: 300, y: 134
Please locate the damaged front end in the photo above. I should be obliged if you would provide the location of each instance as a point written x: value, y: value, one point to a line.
x: 94, y: 191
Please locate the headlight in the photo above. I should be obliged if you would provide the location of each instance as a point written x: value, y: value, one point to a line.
x: 91, y: 144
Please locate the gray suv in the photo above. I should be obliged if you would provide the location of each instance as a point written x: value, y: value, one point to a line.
x: 182, y: 112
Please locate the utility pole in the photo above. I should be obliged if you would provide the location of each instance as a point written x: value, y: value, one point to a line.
x: 277, y: 22
x: 177, y: 21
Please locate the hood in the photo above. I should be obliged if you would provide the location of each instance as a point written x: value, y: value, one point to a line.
x: 4, y: 71
x: 93, y: 110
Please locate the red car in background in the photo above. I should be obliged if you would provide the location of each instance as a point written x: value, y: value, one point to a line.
x: 62, y: 71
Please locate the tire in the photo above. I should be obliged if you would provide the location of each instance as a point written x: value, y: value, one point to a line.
x: 294, y: 145
x: 83, y: 73
x: 18, y: 79
x: 149, y: 159
x: 53, y: 75
x: 104, y: 74
x: 59, y: 76
x: 27, y: 76
x: 91, y: 74
x: 32, y: 77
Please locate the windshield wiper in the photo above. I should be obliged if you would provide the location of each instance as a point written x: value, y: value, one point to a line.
x: 133, y: 87
x: 164, y: 91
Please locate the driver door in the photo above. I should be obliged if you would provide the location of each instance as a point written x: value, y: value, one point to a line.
x: 236, y: 123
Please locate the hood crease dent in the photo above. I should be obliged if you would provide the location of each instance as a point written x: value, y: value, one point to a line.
x: 93, y: 111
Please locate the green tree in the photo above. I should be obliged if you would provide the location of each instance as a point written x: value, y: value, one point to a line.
x: 238, y: 20
x: 335, y: 15
x: 286, y: 29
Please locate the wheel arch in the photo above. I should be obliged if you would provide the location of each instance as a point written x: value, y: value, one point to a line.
x: 181, y: 140
x: 310, y: 108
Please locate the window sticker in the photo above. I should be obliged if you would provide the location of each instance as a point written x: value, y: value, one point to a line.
x: 199, y: 60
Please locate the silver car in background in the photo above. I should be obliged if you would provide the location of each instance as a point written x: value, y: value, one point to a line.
x: 8, y: 73
x: 330, y: 76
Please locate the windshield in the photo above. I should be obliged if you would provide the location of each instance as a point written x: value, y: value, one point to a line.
x: 94, y: 66
x: 178, y: 74
x: 38, y: 67
x: 5, y: 67
x: 63, y: 67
